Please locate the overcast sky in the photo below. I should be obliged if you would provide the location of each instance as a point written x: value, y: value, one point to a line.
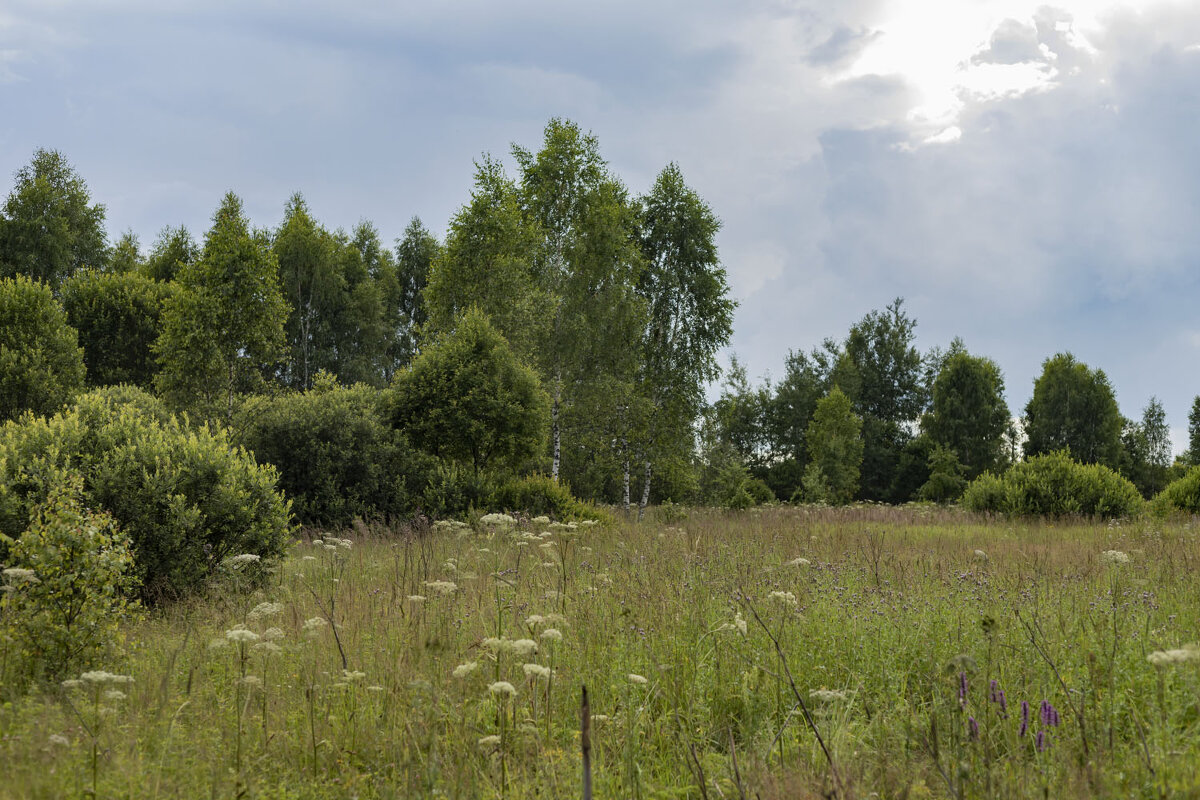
x: 1026, y: 176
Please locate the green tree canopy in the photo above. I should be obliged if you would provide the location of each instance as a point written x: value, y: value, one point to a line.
x: 468, y: 398
x: 224, y: 329
x: 1146, y: 446
x: 1193, y: 451
x: 119, y: 319
x: 835, y: 445
x: 968, y: 414
x: 416, y: 254
x: 41, y: 364
x: 49, y: 228
x: 1073, y: 407
x: 173, y: 250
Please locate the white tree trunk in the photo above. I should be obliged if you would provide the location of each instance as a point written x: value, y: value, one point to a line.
x: 554, y: 436
x: 645, y: 493
x: 625, y: 479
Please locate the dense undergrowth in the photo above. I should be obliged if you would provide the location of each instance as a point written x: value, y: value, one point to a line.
x: 450, y: 663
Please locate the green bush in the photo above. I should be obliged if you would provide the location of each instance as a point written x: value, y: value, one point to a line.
x: 1053, y: 485
x: 119, y: 318
x: 538, y: 495
x: 66, y: 589
x: 41, y: 364
x: 337, y: 457
x: 1182, y: 494
x: 454, y: 491
x: 187, y: 498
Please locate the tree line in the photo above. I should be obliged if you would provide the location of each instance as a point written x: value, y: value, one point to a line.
x: 562, y: 326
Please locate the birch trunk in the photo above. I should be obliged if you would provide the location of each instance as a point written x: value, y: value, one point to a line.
x: 554, y: 437
x: 645, y: 493
x: 625, y: 478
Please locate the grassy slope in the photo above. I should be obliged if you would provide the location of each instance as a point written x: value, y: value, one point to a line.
x: 889, y: 600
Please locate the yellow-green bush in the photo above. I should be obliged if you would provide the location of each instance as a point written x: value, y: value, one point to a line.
x: 1053, y: 484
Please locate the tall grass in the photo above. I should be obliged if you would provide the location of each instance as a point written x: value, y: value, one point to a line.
x: 901, y: 631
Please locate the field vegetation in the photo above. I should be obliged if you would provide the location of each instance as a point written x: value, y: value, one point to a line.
x: 781, y: 652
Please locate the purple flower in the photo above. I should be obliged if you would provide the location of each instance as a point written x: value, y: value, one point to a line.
x: 1042, y: 744
x: 992, y: 691
x: 1024, y: 718
x: 1049, y: 714
x: 1003, y: 704
x: 973, y: 727
x: 962, y: 689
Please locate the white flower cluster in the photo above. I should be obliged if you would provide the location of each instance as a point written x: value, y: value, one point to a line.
x: 497, y: 520
x: 1162, y: 658
x: 1114, y: 557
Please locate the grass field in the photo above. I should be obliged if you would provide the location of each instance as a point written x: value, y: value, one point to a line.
x: 909, y: 641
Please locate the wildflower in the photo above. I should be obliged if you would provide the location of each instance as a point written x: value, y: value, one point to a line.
x: 499, y: 520
x: 972, y: 728
x: 417, y: 598
x: 309, y: 558
x: 252, y: 680
x: 799, y: 562
x: 489, y: 741
x: 784, y: 598
x: 600, y: 717
x: 218, y: 643
x: 102, y: 677
x: 1161, y: 658
x: 268, y: 647
x: 552, y: 635
x: 496, y: 645
x: 541, y: 520
x: 17, y: 575
x: 264, y: 610
x: 1040, y: 741
x: 60, y: 740
x: 502, y: 689
x: 739, y: 622
x: 312, y: 626
x: 353, y: 675
x: 827, y: 695
x: 1024, y: 718
x: 524, y: 647
x: 534, y: 620
x: 72, y: 683
x: 239, y: 561
x: 640, y: 680
x: 273, y: 634
x: 1049, y: 714
x: 546, y: 545
x: 375, y: 688
x: 1114, y: 557
x: 463, y: 670
x: 536, y: 671
x: 318, y: 542
x: 549, y: 565
x: 982, y: 556
x: 442, y: 587
x: 241, y: 635
x: 114, y: 695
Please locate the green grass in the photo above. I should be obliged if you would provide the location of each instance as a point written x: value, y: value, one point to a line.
x: 894, y: 606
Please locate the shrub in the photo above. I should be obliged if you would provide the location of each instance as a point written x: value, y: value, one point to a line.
x: 67, y: 588
x: 41, y: 364
x: 1182, y: 494
x: 337, y: 457
x: 118, y: 317
x: 185, y: 496
x: 454, y: 491
x: 538, y: 495
x: 1054, y: 485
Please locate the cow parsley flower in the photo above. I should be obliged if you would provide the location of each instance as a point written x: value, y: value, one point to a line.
x: 784, y: 598
x: 241, y: 635
x: 503, y: 690
x: 552, y: 635
x: 536, y: 671
x: 463, y: 670
x: 640, y: 680
x: 1114, y: 557
x: 263, y: 610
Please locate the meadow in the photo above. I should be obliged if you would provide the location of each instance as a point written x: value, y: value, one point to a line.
x: 782, y: 652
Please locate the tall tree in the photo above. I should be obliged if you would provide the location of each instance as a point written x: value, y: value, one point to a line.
x: 881, y: 371
x: 1073, y: 407
x: 487, y: 264
x: 416, y: 253
x: 126, y: 254
x: 586, y: 263
x: 968, y: 414
x: 689, y: 312
x: 1193, y: 452
x: 49, y: 227
x: 173, y: 250
x: 313, y: 286
x: 366, y: 328
x: 1147, y: 449
x: 226, y: 325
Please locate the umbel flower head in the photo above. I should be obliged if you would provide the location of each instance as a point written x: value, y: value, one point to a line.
x: 502, y: 690
x: 1162, y: 658
x: 1114, y: 557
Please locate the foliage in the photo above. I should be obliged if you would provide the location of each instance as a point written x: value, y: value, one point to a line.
x: 65, y: 616
x: 174, y: 250
x: 186, y: 498
x: 1193, y: 452
x: 537, y: 495
x: 225, y: 326
x: 1052, y: 484
x: 947, y: 477
x: 1073, y: 407
x: 416, y: 253
x: 41, y: 364
x: 454, y: 491
x: 968, y: 414
x: 467, y: 398
x: 337, y: 456
x: 119, y: 319
x: 835, y: 445
x: 49, y: 228
x: 1146, y: 450
x: 1182, y: 494
x: 125, y: 255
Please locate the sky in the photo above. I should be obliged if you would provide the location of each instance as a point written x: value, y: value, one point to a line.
x: 1025, y: 175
